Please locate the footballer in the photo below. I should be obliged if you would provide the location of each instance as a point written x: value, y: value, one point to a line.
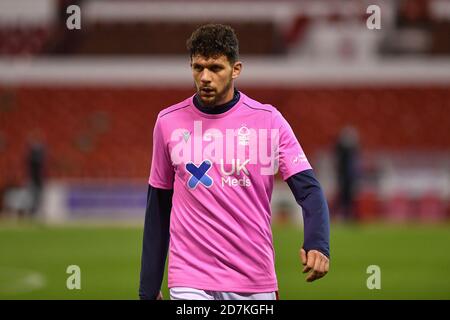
x: 215, y: 156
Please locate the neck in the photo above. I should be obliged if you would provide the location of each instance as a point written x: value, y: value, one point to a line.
x: 224, y: 100
x: 227, y: 98
x: 218, y: 108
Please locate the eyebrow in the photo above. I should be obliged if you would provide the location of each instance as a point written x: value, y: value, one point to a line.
x: 208, y: 65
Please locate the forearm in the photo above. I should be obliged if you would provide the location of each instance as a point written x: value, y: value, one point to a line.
x: 155, y: 241
x: 309, y: 195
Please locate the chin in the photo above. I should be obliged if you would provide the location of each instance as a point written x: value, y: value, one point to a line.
x: 208, y: 101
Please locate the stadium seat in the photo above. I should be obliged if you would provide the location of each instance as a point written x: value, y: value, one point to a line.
x: 431, y: 208
x: 367, y: 206
x: 399, y: 208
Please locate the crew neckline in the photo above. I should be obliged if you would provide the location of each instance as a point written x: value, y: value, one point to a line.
x: 222, y: 108
x: 216, y: 115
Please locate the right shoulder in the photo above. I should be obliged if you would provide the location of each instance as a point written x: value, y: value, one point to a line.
x: 171, y: 117
x: 174, y: 110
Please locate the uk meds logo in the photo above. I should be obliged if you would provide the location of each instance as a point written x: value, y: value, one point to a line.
x: 199, y: 175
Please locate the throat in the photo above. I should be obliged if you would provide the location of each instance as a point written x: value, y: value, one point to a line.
x: 217, y: 109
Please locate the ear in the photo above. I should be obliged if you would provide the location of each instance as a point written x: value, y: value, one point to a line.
x: 237, y: 67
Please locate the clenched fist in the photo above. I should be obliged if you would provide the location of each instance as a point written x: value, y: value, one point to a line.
x: 314, y: 262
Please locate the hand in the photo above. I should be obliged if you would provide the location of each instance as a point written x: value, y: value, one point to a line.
x: 315, y: 261
x: 160, y: 296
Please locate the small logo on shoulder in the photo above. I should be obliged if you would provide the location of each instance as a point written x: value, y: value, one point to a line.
x: 299, y: 158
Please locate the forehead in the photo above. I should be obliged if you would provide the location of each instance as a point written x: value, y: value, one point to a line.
x: 202, y: 60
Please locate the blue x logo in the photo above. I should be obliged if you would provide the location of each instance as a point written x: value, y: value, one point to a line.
x: 199, y: 174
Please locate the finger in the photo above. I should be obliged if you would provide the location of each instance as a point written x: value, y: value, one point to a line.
x: 309, y: 263
x: 323, y: 266
x: 313, y: 276
x: 327, y: 265
x: 303, y: 256
x: 318, y: 263
x: 311, y: 259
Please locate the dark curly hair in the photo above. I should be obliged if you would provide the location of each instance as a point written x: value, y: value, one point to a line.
x: 212, y: 40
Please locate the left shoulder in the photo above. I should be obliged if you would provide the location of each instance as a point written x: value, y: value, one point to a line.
x: 256, y: 105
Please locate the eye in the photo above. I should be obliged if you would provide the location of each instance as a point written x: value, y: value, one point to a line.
x: 197, y: 68
x: 216, y: 68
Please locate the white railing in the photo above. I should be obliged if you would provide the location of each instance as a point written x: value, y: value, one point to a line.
x: 175, y: 72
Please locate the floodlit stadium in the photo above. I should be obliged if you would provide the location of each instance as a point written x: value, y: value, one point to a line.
x: 82, y: 84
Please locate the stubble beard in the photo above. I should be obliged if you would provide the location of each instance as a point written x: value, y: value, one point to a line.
x: 218, y: 96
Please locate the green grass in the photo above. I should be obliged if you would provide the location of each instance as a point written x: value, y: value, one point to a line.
x: 414, y: 262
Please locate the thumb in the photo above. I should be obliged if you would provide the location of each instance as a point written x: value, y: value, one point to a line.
x: 303, y: 256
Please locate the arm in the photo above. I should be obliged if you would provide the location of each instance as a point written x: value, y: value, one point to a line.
x: 316, y: 248
x: 157, y: 216
x: 155, y: 242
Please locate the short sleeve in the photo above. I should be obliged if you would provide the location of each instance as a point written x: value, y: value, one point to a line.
x: 162, y: 172
x: 292, y: 159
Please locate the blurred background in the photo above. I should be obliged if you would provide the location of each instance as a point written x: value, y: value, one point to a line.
x: 371, y: 109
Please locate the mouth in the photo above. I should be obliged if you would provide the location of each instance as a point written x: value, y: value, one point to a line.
x: 207, y: 91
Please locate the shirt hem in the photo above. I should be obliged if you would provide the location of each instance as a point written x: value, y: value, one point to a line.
x: 294, y: 172
x: 160, y: 185
x: 215, y: 287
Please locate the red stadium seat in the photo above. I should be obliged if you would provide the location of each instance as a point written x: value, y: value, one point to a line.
x: 367, y: 206
x: 399, y: 208
x: 431, y: 208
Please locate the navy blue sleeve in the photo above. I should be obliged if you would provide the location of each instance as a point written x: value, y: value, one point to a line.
x: 155, y: 242
x: 316, y: 218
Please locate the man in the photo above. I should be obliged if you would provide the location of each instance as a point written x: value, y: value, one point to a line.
x: 215, y: 155
x: 36, y: 162
x: 347, y: 172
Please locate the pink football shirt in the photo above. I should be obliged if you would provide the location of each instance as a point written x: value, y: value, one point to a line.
x: 222, y: 169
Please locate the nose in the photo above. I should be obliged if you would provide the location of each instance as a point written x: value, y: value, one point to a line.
x: 206, y: 76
